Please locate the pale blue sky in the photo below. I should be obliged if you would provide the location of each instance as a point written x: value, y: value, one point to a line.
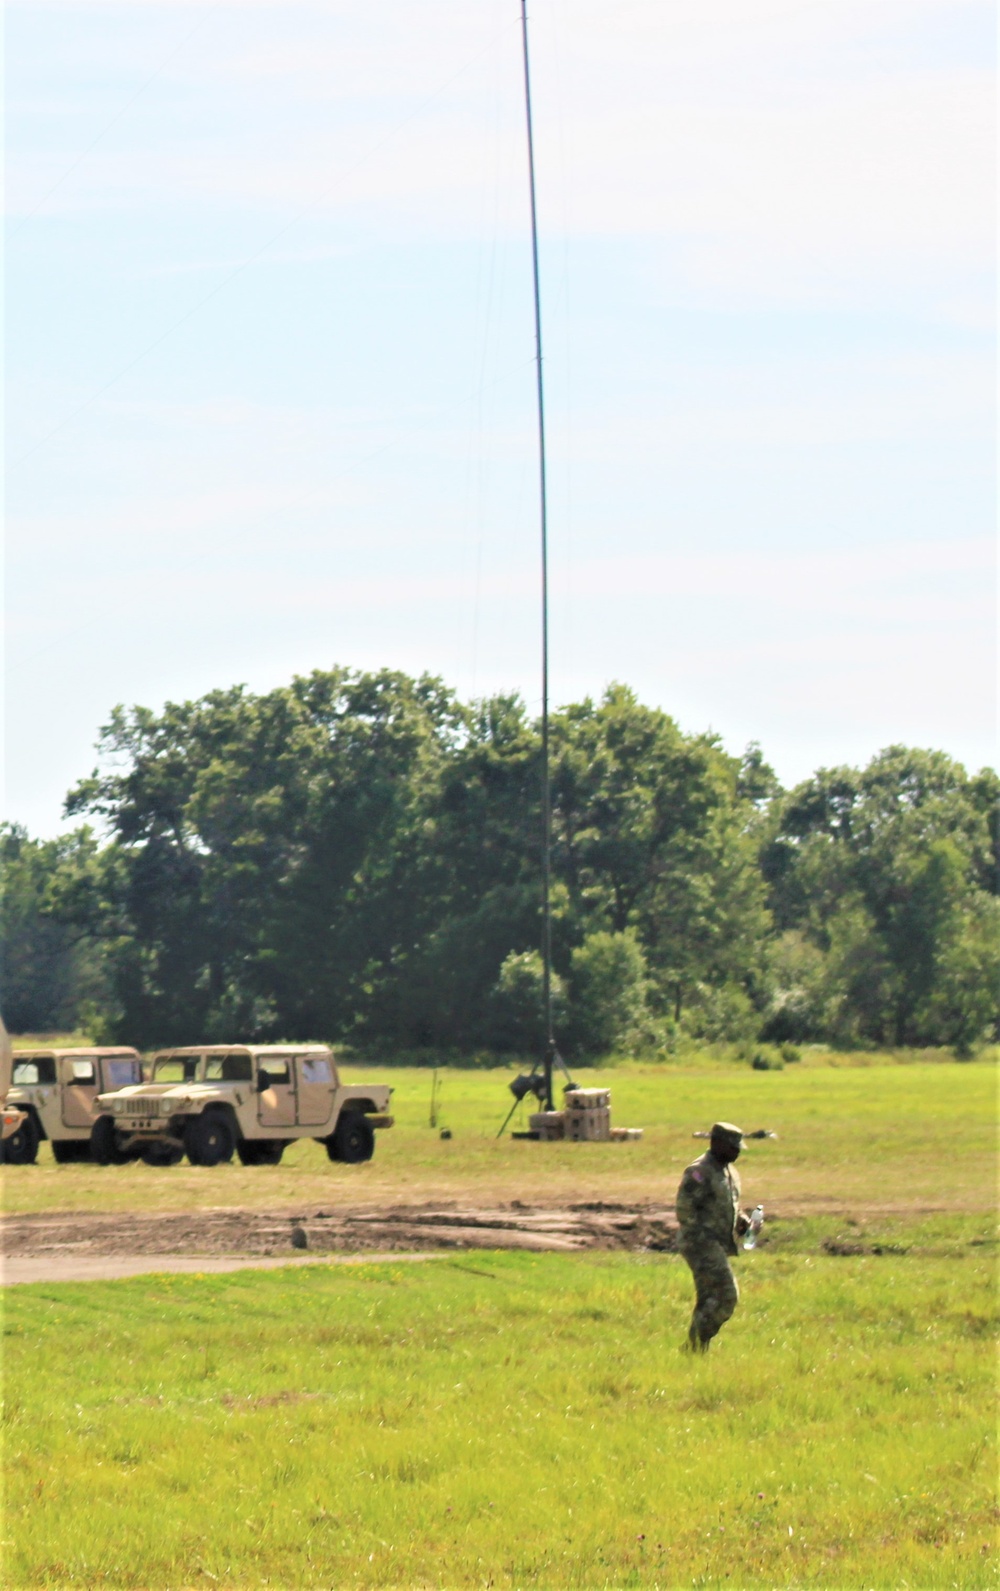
x: 269, y: 344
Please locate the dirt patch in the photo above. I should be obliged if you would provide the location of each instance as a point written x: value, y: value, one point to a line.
x: 848, y: 1248
x: 268, y: 1234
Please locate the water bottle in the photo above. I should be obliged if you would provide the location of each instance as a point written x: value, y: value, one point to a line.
x: 756, y: 1222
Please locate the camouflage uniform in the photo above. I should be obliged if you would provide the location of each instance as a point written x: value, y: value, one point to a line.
x: 708, y: 1209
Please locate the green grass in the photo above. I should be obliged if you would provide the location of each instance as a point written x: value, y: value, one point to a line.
x: 509, y: 1420
x: 76, y: 1039
x: 890, y: 1138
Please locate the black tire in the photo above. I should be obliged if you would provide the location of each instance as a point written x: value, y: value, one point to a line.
x: 263, y: 1152
x: 21, y: 1148
x: 161, y: 1154
x: 209, y: 1139
x: 66, y: 1151
x: 104, y: 1150
x: 352, y: 1140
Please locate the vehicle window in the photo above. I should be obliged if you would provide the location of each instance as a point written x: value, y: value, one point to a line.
x: 83, y: 1072
x: 277, y: 1071
x: 175, y: 1069
x: 228, y: 1069
x: 41, y: 1071
x: 315, y: 1069
x: 120, y: 1073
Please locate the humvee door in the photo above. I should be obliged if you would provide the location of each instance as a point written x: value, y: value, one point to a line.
x: 119, y: 1072
x: 79, y: 1075
x: 317, y: 1086
x: 275, y: 1102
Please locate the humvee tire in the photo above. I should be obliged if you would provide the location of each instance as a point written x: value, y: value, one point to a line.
x: 161, y: 1154
x: 67, y: 1150
x: 353, y: 1138
x: 263, y: 1152
x: 209, y: 1139
x: 104, y: 1148
x: 21, y: 1148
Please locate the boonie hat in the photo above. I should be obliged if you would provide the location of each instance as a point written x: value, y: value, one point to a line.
x: 724, y: 1132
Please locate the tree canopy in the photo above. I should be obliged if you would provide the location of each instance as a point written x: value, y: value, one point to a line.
x: 357, y: 856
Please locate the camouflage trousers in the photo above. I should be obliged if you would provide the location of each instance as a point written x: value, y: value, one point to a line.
x: 716, y: 1292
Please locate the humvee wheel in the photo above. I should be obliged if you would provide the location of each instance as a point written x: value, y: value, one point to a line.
x: 267, y: 1152
x: 21, y: 1148
x: 161, y: 1154
x: 209, y: 1139
x: 66, y: 1150
x: 104, y: 1143
x: 353, y: 1138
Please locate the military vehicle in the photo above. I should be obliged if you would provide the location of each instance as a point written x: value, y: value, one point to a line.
x: 57, y: 1090
x: 11, y: 1119
x: 209, y: 1101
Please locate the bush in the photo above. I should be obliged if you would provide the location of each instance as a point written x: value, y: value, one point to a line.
x: 608, y: 985
x: 517, y: 1003
x: 722, y: 1015
x: 768, y: 1061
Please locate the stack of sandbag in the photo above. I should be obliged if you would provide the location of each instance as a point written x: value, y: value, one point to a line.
x: 548, y: 1124
x: 585, y: 1119
x: 588, y: 1114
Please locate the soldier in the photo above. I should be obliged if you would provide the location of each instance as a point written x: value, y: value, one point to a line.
x: 710, y: 1217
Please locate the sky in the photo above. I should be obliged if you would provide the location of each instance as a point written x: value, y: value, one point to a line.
x: 270, y: 381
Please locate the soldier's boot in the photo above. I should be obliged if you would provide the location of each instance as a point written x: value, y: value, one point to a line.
x: 696, y: 1342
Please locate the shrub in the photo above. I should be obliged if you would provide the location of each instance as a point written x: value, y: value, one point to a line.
x: 608, y: 986
x: 517, y: 1004
x: 768, y: 1061
x: 722, y: 1015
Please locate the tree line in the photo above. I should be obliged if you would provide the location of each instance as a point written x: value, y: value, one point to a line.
x: 357, y: 856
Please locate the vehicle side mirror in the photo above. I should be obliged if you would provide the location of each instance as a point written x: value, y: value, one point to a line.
x: 263, y: 1081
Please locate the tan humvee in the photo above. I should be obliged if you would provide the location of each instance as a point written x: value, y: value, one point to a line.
x: 208, y: 1100
x: 11, y: 1119
x: 58, y: 1090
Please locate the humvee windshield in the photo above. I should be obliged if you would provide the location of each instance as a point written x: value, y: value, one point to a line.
x: 176, y: 1069
x: 227, y: 1069
x: 41, y: 1071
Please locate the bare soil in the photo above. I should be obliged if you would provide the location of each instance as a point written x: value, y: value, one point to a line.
x: 78, y: 1246
x: 58, y: 1245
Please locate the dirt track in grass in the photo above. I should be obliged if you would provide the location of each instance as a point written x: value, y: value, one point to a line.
x: 69, y: 1246
x: 58, y: 1243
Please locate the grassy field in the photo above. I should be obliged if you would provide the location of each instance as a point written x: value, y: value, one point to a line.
x: 515, y: 1420
x: 890, y: 1138
x: 509, y: 1420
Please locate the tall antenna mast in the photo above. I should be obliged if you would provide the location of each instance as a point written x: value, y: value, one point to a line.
x: 551, y: 1052
x: 539, y: 1082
